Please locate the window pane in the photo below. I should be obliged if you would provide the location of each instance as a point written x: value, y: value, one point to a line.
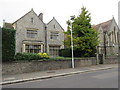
x: 31, y: 33
x: 33, y: 48
x: 54, y: 50
x: 54, y: 35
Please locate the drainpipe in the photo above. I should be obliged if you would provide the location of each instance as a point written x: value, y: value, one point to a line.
x: 45, y: 38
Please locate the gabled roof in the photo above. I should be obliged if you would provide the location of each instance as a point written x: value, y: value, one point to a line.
x: 56, y: 21
x: 105, y: 25
x: 96, y: 26
x: 26, y: 14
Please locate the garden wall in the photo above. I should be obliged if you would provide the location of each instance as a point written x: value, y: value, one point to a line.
x: 111, y: 60
x: 34, y: 66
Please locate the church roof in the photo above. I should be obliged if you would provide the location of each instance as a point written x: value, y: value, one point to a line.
x: 105, y: 25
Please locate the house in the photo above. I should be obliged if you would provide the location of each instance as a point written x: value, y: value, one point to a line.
x: 109, y: 37
x: 34, y: 36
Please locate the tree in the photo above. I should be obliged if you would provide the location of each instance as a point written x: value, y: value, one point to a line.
x: 8, y: 44
x: 85, y: 38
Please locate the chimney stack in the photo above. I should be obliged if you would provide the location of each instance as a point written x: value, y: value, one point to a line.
x: 3, y: 23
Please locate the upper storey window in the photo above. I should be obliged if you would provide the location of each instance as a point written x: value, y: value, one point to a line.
x: 54, y: 26
x: 32, y: 20
x: 31, y: 33
x: 54, y: 35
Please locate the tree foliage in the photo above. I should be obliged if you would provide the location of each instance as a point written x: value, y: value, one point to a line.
x: 85, y: 38
x: 8, y: 44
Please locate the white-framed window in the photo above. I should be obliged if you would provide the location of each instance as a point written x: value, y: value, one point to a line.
x: 54, y: 50
x: 32, y: 48
x: 31, y: 33
x: 54, y: 35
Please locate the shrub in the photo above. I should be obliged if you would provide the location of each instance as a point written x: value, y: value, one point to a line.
x: 27, y: 56
x: 43, y: 55
x: 65, y: 52
x: 31, y: 56
x: 8, y: 44
x: 77, y: 53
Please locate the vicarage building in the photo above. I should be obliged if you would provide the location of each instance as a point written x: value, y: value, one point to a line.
x: 34, y: 36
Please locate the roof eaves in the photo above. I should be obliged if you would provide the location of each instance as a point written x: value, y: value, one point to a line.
x: 21, y: 17
x: 26, y: 14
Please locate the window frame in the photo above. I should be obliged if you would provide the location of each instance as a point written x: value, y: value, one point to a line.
x: 31, y: 33
x: 30, y: 47
x: 54, y: 50
x: 54, y: 35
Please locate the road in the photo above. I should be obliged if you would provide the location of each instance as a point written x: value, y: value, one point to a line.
x: 97, y: 79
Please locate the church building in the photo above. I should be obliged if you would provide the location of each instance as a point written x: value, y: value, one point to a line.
x: 109, y: 37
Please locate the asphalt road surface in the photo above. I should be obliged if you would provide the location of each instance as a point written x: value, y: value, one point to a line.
x: 97, y: 79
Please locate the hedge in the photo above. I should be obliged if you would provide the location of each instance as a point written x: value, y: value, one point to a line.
x: 26, y: 56
x: 65, y: 52
x: 8, y: 44
x: 31, y: 56
x: 77, y: 53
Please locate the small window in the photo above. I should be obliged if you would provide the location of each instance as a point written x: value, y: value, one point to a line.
x: 31, y: 20
x: 54, y: 26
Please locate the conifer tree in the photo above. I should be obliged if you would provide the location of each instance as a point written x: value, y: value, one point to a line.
x: 85, y: 38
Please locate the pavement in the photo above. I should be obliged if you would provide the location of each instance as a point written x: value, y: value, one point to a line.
x: 18, y: 78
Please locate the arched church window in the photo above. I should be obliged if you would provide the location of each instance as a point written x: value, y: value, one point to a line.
x: 115, y: 34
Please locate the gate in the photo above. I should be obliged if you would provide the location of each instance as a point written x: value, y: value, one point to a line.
x: 101, y: 58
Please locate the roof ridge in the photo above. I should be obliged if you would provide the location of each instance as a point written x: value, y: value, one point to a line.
x: 22, y: 16
x: 26, y: 14
x: 104, y: 22
x: 56, y: 21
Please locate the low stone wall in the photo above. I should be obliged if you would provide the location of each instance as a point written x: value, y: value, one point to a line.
x: 34, y: 66
x: 111, y: 60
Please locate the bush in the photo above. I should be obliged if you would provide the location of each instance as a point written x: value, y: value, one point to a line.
x: 77, y: 53
x: 43, y: 55
x: 31, y: 56
x: 27, y: 56
x: 65, y: 52
x: 8, y: 44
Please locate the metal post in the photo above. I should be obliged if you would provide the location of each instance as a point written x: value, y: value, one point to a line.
x: 97, y: 55
x: 73, y: 66
x: 105, y: 43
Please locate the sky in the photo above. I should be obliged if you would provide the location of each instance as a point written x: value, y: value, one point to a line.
x: 101, y: 10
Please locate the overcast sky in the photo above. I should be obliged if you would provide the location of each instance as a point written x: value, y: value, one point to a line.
x: 101, y: 10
